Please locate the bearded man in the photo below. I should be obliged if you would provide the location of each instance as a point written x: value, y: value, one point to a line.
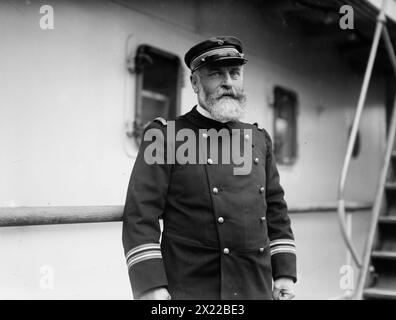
x: 225, y: 235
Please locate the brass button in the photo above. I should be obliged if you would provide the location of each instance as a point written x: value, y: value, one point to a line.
x: 205, y: 135
x: 261, y: 250
x: 226, y: 251
x: 256, y: 160
x: 262, y: 219
x: 210, y: 161
x: 220, y: 220
x: 262, y: 189
x: 215, y: 190
x: 247, y: 137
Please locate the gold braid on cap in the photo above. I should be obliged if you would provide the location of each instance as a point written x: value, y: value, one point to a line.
x: 222, y: 52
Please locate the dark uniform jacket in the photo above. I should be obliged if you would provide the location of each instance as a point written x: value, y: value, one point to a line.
x: 225, y: 236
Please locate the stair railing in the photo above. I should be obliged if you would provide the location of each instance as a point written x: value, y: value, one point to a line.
x: 376, y: 208
x: 345, y: 223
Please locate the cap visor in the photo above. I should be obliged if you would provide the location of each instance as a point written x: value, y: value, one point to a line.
x: 223, y: 61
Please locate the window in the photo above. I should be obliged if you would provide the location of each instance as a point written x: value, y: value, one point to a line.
x: 158, y: 79
x: 285, y: 125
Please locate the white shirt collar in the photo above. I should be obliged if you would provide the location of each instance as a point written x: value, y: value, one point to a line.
x: 205, y: 113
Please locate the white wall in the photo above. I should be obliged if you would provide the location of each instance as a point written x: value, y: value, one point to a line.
x: 65, y: 94
x: 79, y: 261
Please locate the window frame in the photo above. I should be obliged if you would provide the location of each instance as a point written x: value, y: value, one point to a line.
x: 294, y: 127
x: 142, y: 52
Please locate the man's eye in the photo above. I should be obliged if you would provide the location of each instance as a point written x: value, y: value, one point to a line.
x: 235, y: 73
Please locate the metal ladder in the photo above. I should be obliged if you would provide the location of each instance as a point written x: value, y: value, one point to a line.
x: 377, y: 276
x: 378, y: 273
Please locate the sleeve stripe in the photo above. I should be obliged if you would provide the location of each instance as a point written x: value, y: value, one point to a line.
x: 143, y: 257
x: 282, y: 246
x: 143, y: 254
x: 282, y: 242
x: 147, y: 246
x: 283, y: 250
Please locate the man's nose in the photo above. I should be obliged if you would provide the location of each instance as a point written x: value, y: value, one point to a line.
x: 227, y: 80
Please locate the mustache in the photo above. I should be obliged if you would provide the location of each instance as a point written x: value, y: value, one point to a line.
x: 230, y: 93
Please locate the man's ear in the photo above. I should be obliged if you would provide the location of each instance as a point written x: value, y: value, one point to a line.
x: 194, y: 82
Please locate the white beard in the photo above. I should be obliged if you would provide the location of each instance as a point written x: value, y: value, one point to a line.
x: 224, y: 109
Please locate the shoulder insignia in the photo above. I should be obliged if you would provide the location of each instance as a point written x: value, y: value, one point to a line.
x: 256, y: 124
x: 161, y: 120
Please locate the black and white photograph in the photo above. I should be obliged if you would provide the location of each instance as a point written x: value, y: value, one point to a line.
x: 169, y: 150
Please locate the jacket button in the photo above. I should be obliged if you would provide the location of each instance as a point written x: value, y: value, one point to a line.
x: 262, y: 219
x: 226, y: 251
x: 261, y: 189
x: 247, y: 137
x: 205, y: 135
x: 210, y: 161
x: 215, y: 190
x: 261, y: 250
x: 256, y: 160
x: 220, y: 220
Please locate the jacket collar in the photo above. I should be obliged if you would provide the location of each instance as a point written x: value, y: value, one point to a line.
x: 203, y: 122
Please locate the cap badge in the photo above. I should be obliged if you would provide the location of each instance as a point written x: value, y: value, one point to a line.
x: 220, y: 42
